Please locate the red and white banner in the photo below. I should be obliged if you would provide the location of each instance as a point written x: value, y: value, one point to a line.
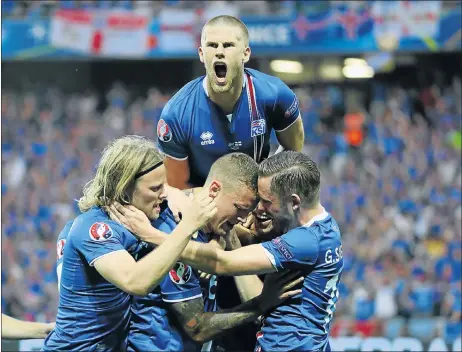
x: 406, y: 18
x: 101, y: 33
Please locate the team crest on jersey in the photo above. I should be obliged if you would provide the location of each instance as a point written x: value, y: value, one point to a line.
x: 258, y: 127
x: 163, y: 131
x: 60, y: 248
x: 100, y: 231
x: 180, y: 274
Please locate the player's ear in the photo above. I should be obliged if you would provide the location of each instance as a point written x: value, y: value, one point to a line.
x: 296, y: 202
x: 201, y: 54
x: 214, y: 189
x: 246, y: 56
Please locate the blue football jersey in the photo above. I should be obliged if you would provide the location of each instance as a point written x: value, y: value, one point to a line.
x: 61, y: 242
x: 192, y: 126
x: 302, y: 323
x: 152, y: 326
x: 93, y: 314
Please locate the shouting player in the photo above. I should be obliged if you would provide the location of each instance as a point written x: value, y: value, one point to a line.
x: 99, y: 272
x: 229, y: 109
x: 288, y: 187
x: 232, y: 182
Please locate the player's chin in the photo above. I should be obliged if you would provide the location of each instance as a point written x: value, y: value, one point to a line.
x: 265, y: 230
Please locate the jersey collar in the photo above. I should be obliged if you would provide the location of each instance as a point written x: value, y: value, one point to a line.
x: 319, y: 217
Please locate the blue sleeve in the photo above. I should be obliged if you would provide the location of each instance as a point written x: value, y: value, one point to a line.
x: 61, y: 242
x: 170, y: 136
x: 181, y: 284
x: 297, y: 247
x: 97, y: 240
x: 286, y: 109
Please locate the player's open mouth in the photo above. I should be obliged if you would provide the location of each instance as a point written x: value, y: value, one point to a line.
x: 263, y: 220
x: 220, y: 72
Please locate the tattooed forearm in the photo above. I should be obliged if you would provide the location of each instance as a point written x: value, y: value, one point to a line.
x: 203, y: 327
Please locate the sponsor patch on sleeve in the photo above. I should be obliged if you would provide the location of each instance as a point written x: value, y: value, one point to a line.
x: 180, y: 274
x: 164, y: 132
x: 100, y: 231
x: 283, y: 248
x: 60, y: 248
x: 292, y: 108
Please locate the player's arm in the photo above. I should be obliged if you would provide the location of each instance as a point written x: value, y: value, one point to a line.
x: 287, y: 120
x: 15, y: 329
x: 139, y: 278
x: 293, y: 137
x: 172, y: 141
x: 206, y: 257
x: 178, y: 172
x: 248, y: 286
x: 203, y: 326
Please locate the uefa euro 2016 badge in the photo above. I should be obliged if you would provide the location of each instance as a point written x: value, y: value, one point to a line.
x: 180, y: 274
x: 100, y: 231
x: 163, y: 131
x: 257, y: 128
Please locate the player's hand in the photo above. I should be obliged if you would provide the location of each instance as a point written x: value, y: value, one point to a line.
x: 204, y: 276
x: 232, y: 240
x: 245, y: 231
x: 175, y: 199
x: 131, y: 218
x: 278, y: 287
x: 48, y: 328
x: 198, y: 211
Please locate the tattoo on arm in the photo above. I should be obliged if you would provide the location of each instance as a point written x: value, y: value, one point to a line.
x: 202, y: 327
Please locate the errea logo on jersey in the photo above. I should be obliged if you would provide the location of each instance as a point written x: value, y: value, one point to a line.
x: 207, y: 138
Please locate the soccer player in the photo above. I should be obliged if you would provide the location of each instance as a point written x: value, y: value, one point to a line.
x: 229, y: 109
x: 14, y: 329
x: 288, y: 187
x: 179, y: 300
x: 99, y: 272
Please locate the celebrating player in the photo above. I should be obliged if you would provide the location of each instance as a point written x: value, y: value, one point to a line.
x: 232, y: 181
x: 288, y: 187
x: 230, y: 109
x: 99, y: 273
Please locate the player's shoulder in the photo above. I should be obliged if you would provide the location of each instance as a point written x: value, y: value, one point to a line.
x: 271, y: 83
x: 325, y: 227
x: 65, y: 231
x: 180, y: 104
x: 94, y: 222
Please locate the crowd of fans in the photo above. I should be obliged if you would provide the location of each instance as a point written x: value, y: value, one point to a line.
x: 398, y: 202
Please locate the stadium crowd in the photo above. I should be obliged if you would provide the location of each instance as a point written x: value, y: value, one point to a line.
x: 397, y: 200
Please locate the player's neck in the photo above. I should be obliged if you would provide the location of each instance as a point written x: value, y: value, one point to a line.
x: 227, y: 100
x: 306, y: 215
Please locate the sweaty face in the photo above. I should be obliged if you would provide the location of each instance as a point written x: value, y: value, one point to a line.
x: 223, y: 53
x: 272, y: 217
x: 232, y: 207
x: 150, y: 192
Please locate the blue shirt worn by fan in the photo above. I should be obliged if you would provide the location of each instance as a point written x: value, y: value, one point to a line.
x: 152, y: 327
x: 302, y: 323
x: 93, y: 314
x: 193, y: 127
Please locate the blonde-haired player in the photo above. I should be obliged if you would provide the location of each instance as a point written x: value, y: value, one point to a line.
x: 99, y: 270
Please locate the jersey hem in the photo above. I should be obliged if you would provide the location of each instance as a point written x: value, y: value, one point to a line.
x: 182, y: 299
x: 298, y: 117
x: 92, y: 263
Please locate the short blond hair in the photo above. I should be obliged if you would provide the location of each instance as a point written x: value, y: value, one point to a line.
x: 234, y: 171
x: 115, y: 177
x: 230, y: 21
